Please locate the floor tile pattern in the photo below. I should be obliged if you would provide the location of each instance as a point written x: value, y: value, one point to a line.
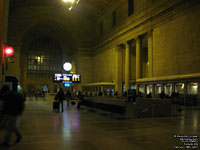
x: 44, y: 129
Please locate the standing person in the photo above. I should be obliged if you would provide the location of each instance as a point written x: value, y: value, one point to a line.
x: 3, y: 93
x: 79, y: 94
x: 68, y: 97
x: 13, y: 108
x: 60, y: 97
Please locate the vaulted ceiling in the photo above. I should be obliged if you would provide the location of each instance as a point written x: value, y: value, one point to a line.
x: 90, y: 8
x: 28, y: 17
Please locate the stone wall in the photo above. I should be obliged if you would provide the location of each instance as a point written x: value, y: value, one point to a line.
x: 4, y: 5
x: 175, y: 36
x: 104, y: 66
x: 84, y: 67
x: 176, y: 45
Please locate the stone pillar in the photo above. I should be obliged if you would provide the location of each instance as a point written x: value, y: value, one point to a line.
x: 4, y: 7
x: 150, y: 54
x: 163, y: 87
x: 138, y: 62
x: 198, y: 103
x: 119, y: 73
x: 199, y: 89
x: 102, y: 91
x: 127, y: 66
x: 185, y: 91
x: 145, y: 89
x: 153, y: 90
x: 173, y: 87
x: 13, y: 62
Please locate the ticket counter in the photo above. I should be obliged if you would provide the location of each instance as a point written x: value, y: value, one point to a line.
x: 99, y: 89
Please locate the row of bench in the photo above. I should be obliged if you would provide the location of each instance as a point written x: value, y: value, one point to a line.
x: 105, y: 107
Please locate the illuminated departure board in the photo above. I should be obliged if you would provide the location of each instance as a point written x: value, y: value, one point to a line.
x: 67, y: 78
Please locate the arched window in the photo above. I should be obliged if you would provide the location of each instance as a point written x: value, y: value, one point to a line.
x: 44, y: 58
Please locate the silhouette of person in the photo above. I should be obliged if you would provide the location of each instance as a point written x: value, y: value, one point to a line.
x: 68, y: 97
x: 13, y: 108
x: 60, y: 97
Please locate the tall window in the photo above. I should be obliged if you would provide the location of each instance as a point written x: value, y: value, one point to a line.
x: 44, y: 58
x: 113, y: 18
x: 130, y: 7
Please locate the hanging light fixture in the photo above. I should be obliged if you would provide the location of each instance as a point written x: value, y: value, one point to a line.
x: 71, y: 3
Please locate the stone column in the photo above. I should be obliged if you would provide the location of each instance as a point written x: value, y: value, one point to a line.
x: 198, y: 84
x: 119, y: 73
x: 13, y: 62
x: 163, y: 87
x: 173, y: 87
x: 150, y: 54
x: 138, y: 63
x: 185, y: 91
x: 198, y: 103
x: 102, y: 90
x: 127, y: 66
x: 153, y: 90
x: 4, y: 13
x: 145, y: 89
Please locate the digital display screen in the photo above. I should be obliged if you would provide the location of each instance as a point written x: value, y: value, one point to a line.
x: 67, y: 78
x: 66, y: 84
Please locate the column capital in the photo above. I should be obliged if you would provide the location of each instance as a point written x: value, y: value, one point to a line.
x: 130, y: 42
x: 120, y: 47
x: 150, y: 32
x: 127, y: 45
x: 138, y: 38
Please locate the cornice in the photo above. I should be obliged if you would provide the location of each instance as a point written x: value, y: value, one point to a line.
x: 131, y: 26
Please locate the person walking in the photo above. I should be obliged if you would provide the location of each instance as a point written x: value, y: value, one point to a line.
x: 60, y: 97
x: 13, y: 107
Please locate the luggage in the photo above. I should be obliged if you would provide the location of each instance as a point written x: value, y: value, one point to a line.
x: 73, y: 103
x: 55, y: 105
x: 78, y: 105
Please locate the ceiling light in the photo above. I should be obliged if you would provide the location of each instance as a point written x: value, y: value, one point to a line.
x: 71, y: 3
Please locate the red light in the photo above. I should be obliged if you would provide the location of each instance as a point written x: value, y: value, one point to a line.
x: 9, y: 51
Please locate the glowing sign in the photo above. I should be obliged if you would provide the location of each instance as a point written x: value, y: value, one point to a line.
x: 67, y: 78
x: 9, y: 51
x: 57, y: 77
x: 66, y: 84
x: 76, y: 78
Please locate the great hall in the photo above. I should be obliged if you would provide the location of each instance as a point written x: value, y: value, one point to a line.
x: 115, y: 48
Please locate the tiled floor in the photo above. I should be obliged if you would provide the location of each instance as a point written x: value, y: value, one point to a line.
x: 44, y: 129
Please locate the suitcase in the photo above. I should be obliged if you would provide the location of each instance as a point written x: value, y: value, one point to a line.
x: 78, y: 105
x: 73, y: 103
x: 55, y: 105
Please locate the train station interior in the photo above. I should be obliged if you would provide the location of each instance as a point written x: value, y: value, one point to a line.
x: 135, y: 64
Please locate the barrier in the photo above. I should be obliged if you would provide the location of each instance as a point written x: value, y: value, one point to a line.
x: 143, y: 107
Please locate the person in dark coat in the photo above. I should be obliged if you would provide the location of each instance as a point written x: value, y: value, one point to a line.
x: 68, y: 97
x: 60, y: 97
x: 13, y: 108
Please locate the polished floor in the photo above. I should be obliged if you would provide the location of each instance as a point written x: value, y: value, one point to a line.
x: 44, y: 129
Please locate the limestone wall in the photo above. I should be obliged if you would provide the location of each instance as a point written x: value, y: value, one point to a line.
x: 3, y: 33
x: 84, y: 67
x: 176, y: 45
x: 104, y: 66
x: 175, y: 36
